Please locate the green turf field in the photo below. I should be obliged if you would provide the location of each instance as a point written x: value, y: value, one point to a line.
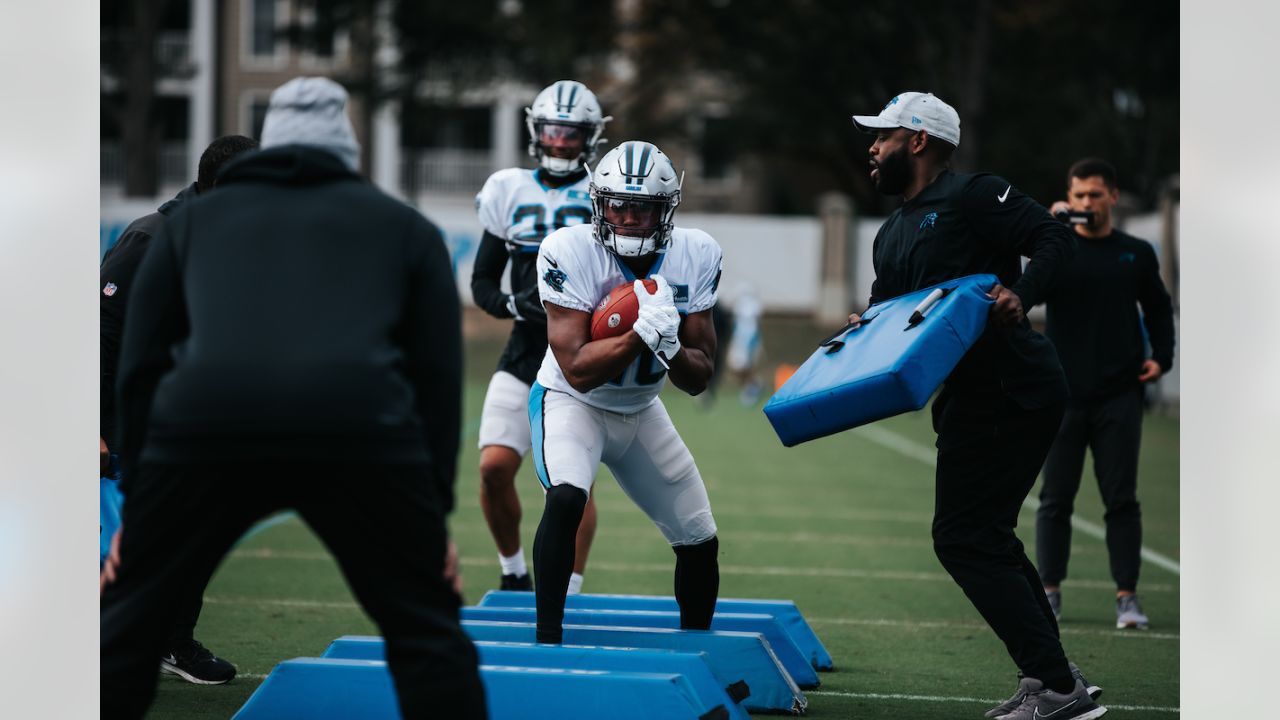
x: 840, y: 525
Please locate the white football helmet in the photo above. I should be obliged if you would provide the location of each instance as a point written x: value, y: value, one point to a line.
x: 634, y: 194
x: 565, y: 115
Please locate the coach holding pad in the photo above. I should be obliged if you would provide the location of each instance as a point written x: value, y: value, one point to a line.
x: 999, y: 410
x: 294, y: 342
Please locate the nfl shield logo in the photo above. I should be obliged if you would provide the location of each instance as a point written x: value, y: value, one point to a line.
x: 109, y: 290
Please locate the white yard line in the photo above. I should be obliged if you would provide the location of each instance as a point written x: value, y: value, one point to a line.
x: 745, y: 570
x: 872, y: 622
x: 960, y: 625
x: 984, y: 701
x: 927, y: 455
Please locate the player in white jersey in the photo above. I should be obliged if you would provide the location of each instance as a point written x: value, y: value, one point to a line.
x: 597, y: 400
x: 517, y: 208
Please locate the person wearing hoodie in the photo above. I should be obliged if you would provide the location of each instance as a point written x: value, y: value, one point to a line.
x: 294, y: 341
x: 182, y: 655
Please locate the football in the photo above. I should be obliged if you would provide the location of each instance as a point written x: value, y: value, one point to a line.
x: 617, y: 312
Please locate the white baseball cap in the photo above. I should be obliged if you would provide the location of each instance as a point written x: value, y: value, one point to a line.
x: 915, y: 111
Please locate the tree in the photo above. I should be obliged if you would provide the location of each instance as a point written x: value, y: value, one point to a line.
x: 1037, y: 85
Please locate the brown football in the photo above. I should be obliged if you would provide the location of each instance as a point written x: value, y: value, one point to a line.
x: 617, y: 312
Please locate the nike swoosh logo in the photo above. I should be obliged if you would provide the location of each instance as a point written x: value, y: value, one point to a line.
x: 1005, y: 196
x: 1055, y: 712
x: 552, y: 261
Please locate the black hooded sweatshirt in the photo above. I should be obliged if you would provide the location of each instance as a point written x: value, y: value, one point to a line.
x: 297, y: 314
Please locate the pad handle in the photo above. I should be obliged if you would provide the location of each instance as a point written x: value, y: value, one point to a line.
x: 832, y: 344
x: 917, y: 315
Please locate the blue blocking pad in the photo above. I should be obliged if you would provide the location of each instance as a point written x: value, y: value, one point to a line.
x: 330, y: 689
x: 691, y: 665
x: 784, y: 611
x: 793, y: 661
x: 733, y: 657
x: 889, y: 364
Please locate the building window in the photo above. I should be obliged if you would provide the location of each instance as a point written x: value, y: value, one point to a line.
x: 263, y: 23
x: 257, y: 115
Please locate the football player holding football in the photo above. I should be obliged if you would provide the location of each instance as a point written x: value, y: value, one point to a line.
x: 596, y: 400
x: 517, y: 208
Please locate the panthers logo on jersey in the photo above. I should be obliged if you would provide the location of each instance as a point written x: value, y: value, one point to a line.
x: 554, y: 277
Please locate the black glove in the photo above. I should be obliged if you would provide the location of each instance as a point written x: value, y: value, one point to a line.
x: 526, y: 306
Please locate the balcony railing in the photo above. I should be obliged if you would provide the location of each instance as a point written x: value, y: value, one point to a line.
x: 444, y: 170
x: 172, y: 51
x: 171, y: 164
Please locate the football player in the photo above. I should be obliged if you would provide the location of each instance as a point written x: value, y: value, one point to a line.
x: 597, y: 400
x: 517, y: 208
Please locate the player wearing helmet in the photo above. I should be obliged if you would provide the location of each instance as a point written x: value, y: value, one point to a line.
x: 597, y: 400
x: 517, y: 208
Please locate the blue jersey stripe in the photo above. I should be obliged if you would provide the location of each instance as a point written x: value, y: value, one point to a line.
x: 537, y: 421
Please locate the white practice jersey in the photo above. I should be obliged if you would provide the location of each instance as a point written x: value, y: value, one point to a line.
x: 516, y: 207
x: 576, y: 272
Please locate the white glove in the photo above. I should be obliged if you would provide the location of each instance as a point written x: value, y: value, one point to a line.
x: 661, y: 297
x: 659, y: 328
x: 513, y: 309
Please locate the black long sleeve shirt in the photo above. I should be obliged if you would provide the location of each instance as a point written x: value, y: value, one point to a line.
x: 297, y: 314
x: 527, y: 344
x: 1092, y: 316
x: 965, y: 224
x: 115, y: 277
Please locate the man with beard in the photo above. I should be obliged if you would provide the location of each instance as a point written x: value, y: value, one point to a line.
x: 1093, y: 321
x: 999, y: 410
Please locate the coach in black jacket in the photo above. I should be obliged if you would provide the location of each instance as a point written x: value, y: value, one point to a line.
x: 999, y: 410
x: 294, y: 341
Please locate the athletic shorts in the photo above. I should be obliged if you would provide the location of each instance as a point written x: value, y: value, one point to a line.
x: 643, y: 451
x: 505, y: 418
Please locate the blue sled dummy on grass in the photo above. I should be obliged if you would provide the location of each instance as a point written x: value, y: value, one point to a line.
x: 889, y: 363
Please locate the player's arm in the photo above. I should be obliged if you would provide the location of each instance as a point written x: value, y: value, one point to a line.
x: 587, y: 364
x: 691, y: 368
x: 157, y: 316
x: 486, y: 277
x: 1012, y: 221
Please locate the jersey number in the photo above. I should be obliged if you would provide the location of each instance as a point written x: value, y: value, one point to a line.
x: 559, y: 219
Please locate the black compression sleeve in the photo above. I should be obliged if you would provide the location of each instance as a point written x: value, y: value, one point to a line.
x: 486, y: 276
x: 553, y: 556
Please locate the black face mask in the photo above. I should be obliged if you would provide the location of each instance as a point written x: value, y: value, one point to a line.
x: 894, y: 172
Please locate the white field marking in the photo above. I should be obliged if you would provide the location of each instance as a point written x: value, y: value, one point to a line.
x: 961, y: 625
x: 755, y: 512
x: 747, y: 570
x: 801, y: 537
x: 873, y: 622
x: 927, y: 455
x: 985, y: 701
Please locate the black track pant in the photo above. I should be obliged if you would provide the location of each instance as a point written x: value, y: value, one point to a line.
x: 1112, y: 429
x: 382, y: 525
x: 989, y: 454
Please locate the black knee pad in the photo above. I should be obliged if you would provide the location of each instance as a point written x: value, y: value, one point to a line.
x: 565, y: 501
x: 702, y: 553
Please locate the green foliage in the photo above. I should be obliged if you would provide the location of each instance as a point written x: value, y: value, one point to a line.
x: 1037, y: 85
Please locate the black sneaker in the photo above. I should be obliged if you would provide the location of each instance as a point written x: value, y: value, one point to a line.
x: 194, y: 663
x: 516, y: 582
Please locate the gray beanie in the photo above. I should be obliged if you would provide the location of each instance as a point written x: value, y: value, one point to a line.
x: 311, y: 111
